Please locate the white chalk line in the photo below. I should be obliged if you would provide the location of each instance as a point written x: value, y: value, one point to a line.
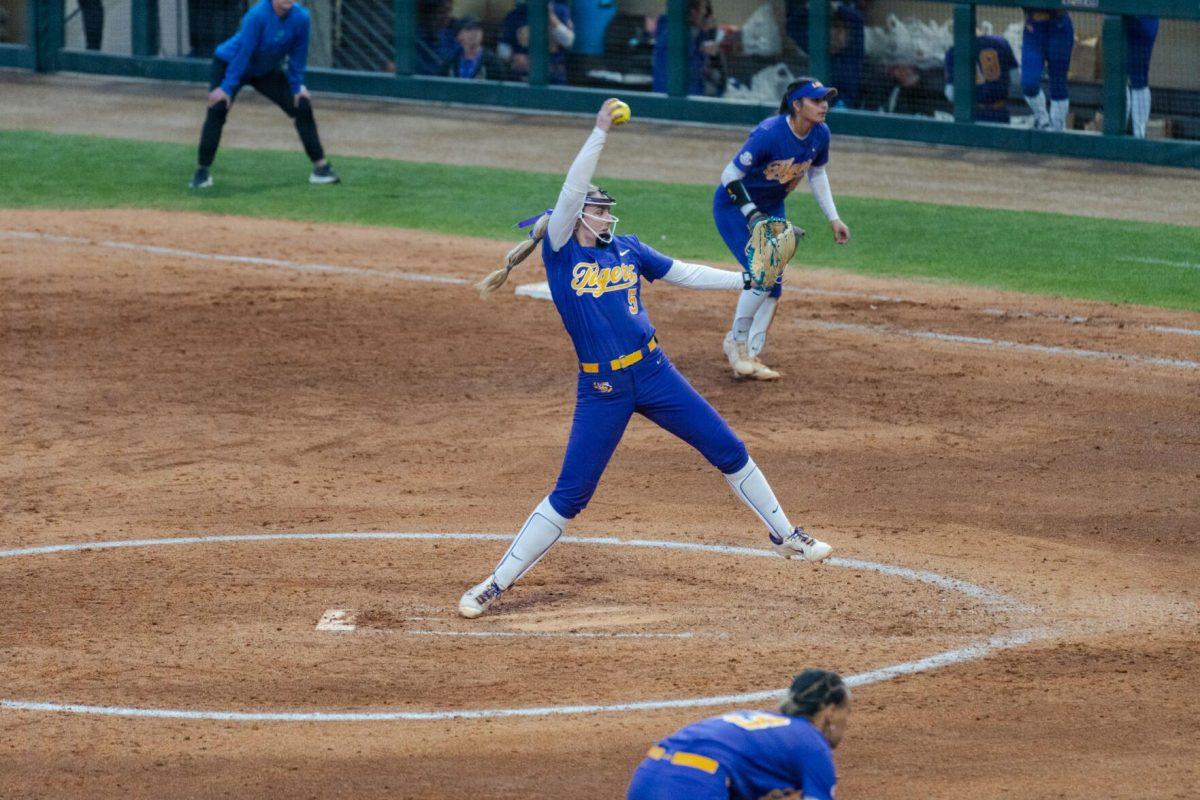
x: 1000, y: 344
x: 541, y: 291
x: 972, y: 590
x: 537, y: 290
x: 235, y: 259
x: 1161, y: 261
x: 958, y: 655
x: 563, y: 634
x: 1168, y: 329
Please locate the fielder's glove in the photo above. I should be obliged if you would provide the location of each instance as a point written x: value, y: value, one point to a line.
x: 772, y: 244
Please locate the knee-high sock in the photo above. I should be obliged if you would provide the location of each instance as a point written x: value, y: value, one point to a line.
x: 537, y: 536
x: 762, y: 324
x: 1041, y: 117
x: 748, y: 304
x: 751, y: 485
x: 1058, y: 114
x: 1139, y: 110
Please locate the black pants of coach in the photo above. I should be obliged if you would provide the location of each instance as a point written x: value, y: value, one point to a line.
x: 273, y: 86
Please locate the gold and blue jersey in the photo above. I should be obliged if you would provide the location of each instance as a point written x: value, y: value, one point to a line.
x: 756, y: 754
x: 597, y: 291
x: 775, y: 159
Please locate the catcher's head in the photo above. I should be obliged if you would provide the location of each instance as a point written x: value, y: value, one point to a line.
x: 807, y: 97
x: 596, y: 215
x: 823, y: 698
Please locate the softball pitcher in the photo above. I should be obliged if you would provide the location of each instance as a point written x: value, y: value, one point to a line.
x: 772, y: 162
x: 595, y: 281
x: 749, y: 755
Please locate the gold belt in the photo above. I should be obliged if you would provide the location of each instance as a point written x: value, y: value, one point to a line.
x: 682, y: 759
x: 624, y: 361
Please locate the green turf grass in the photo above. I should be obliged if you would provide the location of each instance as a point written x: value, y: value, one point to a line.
x: 1024, y: 251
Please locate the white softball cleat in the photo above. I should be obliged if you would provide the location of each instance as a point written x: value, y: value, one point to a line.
x: 478, y: 598
x: 800, y: 545
x: 738, y: 354
x: 762, y: 372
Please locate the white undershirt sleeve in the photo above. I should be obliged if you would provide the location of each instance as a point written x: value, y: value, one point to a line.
x: 699, y: 276
x: 818, y: 181
x: 731, y: 173
x: 574, y: 190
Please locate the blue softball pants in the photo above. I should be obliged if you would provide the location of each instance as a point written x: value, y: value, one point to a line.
x: 1140, y: 36
x: 604, y: 403
x: 1047, y: 43
x: 662, y: 780
x: 732, y: 227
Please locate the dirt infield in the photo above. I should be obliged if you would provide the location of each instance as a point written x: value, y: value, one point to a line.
x: 1042, y: 449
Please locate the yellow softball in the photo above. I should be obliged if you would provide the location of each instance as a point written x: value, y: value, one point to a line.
x: 620, y: 111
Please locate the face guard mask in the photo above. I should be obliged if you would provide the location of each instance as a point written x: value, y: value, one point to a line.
x: 598, y: 197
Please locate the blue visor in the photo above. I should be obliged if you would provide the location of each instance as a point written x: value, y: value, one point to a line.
x: 813, y: 90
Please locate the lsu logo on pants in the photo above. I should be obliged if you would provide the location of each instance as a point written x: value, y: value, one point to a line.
x: 603, y: 387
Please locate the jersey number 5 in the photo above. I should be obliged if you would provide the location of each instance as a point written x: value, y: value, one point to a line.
x: 756, y: 721
x: 633, y: 301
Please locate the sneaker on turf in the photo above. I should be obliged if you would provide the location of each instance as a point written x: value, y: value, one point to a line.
x: 201, y: 180
x: 324, y: 174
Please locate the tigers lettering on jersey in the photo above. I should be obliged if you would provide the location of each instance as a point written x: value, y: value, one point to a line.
x: 786, y: 172
x: 774, y: 159
x: 591, y: 278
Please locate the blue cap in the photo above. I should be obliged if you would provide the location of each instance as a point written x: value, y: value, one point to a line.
x: 813, y: 90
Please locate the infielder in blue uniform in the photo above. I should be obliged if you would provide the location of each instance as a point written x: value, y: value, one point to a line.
x: 1140, y: 35
x: 1047, y: 41
x: 994, y: 65
x: 595, y: 281
x: 754, y: 755
x: 772, y: 162
x: 271, y: 31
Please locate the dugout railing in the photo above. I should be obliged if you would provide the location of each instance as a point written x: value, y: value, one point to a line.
x: 41, y: 46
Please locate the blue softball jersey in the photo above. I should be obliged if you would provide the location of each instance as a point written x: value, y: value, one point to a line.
x: 745, y: 755
x: 261, y: 44
x: 775, y: 159
x: 994, y: 62
x: 597, y: 291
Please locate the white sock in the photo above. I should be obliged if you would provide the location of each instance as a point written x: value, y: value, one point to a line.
x: 751, y: 485
x: 743, y: 318
x: 1038, y: 103
x: 1058, y: 114
x: 760, y: 325
x: 1139, y: 109
x: 537, y: 536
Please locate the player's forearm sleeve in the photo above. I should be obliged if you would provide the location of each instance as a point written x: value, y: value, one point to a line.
x: 564, y: 36
x: 574, y: 190
x: 699, y: 276
x: 731, y: 179
x: 298, y: 61
x: 818, y: 180
x: 950, y: 92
